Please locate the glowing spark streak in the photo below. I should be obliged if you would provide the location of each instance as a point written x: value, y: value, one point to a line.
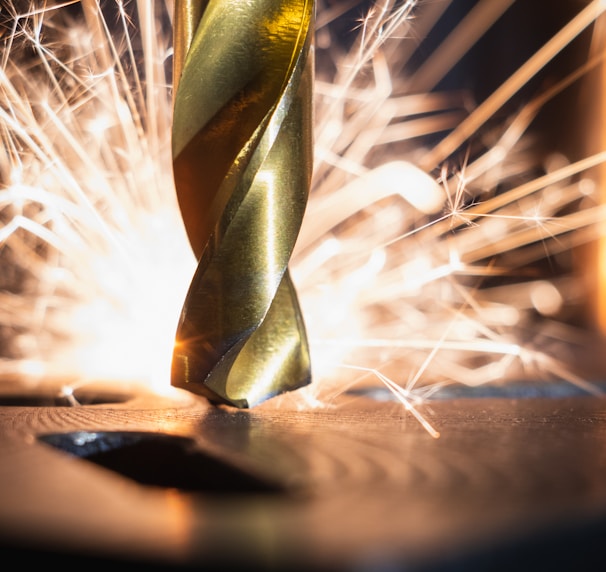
x: 524, y: 190
x: 373, y: 28
x: 110, y: 60
x: 44, y: 153
x: 479, y: 345
x: 495, y: 203
x: 413, y: 128
x: 26, y: 15
x: 566, y: 223
x: 428, y: 359
x: 21, y: 222
x: 428, y: 13
x: 458, y: 42
x: 332, y: 12
x: 401, y: 394
x: 445, y: 218
x: 510, y: 87
x: 146, y: 24
x: 395, y: 178
x: 552, y: 365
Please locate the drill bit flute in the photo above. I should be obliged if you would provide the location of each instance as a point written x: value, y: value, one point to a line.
x: 242, y: 158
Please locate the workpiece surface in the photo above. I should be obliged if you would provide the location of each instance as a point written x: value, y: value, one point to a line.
x: 131, y: 477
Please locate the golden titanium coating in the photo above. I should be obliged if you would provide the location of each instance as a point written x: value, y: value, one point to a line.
x: 242, y: 158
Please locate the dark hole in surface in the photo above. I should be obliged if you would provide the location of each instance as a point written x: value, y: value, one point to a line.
x: 77, y: 398
x: 159, y: 460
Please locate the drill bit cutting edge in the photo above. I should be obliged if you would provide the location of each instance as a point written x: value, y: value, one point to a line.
x: 242, y: 160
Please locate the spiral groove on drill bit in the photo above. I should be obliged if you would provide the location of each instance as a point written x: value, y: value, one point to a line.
x: 242, y: 158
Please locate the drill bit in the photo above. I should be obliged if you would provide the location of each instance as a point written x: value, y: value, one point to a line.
x: 242, y: 161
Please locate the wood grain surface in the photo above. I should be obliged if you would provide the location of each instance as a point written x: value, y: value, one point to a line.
x: 133, y: 478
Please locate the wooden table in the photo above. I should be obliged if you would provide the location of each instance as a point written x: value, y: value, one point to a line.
x: 514, y: 480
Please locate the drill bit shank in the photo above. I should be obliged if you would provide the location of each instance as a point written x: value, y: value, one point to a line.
x: 242, y: 156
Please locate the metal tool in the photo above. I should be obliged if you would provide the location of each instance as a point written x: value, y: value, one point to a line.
x: 242, y: 158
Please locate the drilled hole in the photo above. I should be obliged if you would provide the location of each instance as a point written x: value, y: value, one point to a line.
x: 159, y: 460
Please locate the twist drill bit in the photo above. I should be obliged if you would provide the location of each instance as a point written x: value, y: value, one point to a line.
x: 242, y: 160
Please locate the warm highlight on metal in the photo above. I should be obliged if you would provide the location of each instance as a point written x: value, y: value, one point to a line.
x: 242, y: 158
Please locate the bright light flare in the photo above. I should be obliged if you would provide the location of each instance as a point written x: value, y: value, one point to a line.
x: 88, y: 210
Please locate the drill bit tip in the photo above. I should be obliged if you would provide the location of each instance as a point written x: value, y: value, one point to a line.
x: 242, y: 159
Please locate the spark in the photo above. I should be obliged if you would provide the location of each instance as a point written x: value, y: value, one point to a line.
x: 418, y: 196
